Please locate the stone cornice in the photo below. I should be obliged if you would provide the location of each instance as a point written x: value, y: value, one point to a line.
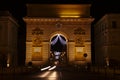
x: 37, y: 20
x: 8, y: 18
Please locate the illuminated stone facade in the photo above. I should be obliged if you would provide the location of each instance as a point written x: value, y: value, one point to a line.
x: 107, y: 46
x: 40, y: 30
x: 8, y: 39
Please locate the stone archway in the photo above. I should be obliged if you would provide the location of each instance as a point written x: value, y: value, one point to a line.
x: 41, y: 28
x: 58, y: 49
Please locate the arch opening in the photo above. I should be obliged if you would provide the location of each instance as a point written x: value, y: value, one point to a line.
x: 58, y: 49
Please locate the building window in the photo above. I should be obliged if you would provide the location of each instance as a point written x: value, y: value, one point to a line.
x: 114, y: 25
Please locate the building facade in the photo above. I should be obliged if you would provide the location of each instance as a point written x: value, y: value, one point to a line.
x: 8, y: 40
x: 47, y: 24
x: 107, y: 46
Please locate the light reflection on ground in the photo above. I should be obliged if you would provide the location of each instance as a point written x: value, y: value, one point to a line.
x: 48, y: 75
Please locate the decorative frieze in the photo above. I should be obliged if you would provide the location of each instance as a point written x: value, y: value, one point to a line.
x: 37, y: 31
x: 50, y: 21
x: 79, y: 31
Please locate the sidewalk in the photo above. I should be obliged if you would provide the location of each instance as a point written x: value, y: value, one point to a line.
x: 113, y: 74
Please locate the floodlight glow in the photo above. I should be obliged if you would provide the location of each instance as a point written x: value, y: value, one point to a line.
x: 57, y: 53
x: 58, y: 34
x: 56, y: 57
x: 53, y: 42
x: 70, y: 16
x: 8, y: 65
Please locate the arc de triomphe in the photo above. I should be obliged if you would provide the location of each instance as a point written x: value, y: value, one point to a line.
x: 70, y: 23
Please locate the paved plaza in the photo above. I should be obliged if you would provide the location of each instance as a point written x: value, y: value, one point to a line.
x: 61, y: 74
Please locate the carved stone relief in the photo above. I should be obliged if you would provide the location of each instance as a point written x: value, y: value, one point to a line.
x: 79, y: 31
x: 79, y: 41
x: 37, y: 41
x: 37, y: 31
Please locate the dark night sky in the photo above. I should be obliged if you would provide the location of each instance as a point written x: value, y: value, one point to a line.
x: 98, y: 8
